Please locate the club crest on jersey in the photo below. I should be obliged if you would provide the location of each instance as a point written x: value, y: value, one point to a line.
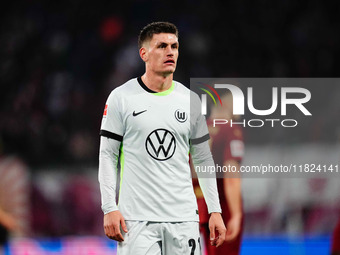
x: 160, y: 144
x: 181, y: 115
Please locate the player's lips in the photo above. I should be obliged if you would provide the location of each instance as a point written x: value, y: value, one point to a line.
x: 169, y: 61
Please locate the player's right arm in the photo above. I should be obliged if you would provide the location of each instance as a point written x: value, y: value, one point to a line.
x: 111, y: 131
x: 107, y: 176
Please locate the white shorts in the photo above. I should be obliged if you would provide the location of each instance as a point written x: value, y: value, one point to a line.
x: 160, y: 238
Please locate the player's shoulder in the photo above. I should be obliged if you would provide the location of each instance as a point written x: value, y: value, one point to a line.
x: 180, y: 87
x: 185, y: 91
x: 125, y: 89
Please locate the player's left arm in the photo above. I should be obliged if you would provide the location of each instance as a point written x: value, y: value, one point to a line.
x: 202, y: 159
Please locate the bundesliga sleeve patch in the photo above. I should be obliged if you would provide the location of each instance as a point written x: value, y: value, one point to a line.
x: 105, y: 111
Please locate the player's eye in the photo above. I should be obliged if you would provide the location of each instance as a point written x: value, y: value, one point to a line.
x: 175, y: 46
x: 162, y: 45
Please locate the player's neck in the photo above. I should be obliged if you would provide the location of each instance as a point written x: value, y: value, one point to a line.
x: 157, y: 83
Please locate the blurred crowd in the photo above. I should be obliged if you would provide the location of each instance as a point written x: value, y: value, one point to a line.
x: 48, y: 203
x: 59, y: 60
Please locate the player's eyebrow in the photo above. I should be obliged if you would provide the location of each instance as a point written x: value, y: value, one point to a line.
x: 175, y: 44
x: 164, y: 44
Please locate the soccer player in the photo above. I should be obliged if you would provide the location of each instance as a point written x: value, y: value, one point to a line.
x: 147, y: 133
x: 227, y: 148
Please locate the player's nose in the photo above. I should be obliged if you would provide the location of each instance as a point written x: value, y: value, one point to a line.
x: 170, y: 51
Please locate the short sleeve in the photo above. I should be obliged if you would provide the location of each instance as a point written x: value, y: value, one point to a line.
x: 112, y: 122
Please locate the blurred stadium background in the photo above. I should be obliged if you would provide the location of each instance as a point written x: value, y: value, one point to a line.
x: 60, y: 60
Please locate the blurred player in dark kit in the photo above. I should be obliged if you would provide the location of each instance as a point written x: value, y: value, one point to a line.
x: 227, y: 149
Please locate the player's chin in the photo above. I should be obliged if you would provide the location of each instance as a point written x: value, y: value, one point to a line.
x: 170, y: 70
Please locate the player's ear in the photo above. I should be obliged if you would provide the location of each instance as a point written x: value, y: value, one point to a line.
x: 143, y: 54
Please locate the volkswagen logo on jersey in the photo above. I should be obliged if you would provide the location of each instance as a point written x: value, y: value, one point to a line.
x: 160, y: 144
x: 181, y: 115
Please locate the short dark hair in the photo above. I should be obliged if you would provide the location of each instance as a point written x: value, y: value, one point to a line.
x: 155, y: 28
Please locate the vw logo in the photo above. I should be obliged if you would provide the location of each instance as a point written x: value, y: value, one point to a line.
x: 160, y: 144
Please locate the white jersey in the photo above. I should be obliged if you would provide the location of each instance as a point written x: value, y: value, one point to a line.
x: 155, y: 130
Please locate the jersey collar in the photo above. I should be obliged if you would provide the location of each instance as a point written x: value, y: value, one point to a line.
x: 163, y: 93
